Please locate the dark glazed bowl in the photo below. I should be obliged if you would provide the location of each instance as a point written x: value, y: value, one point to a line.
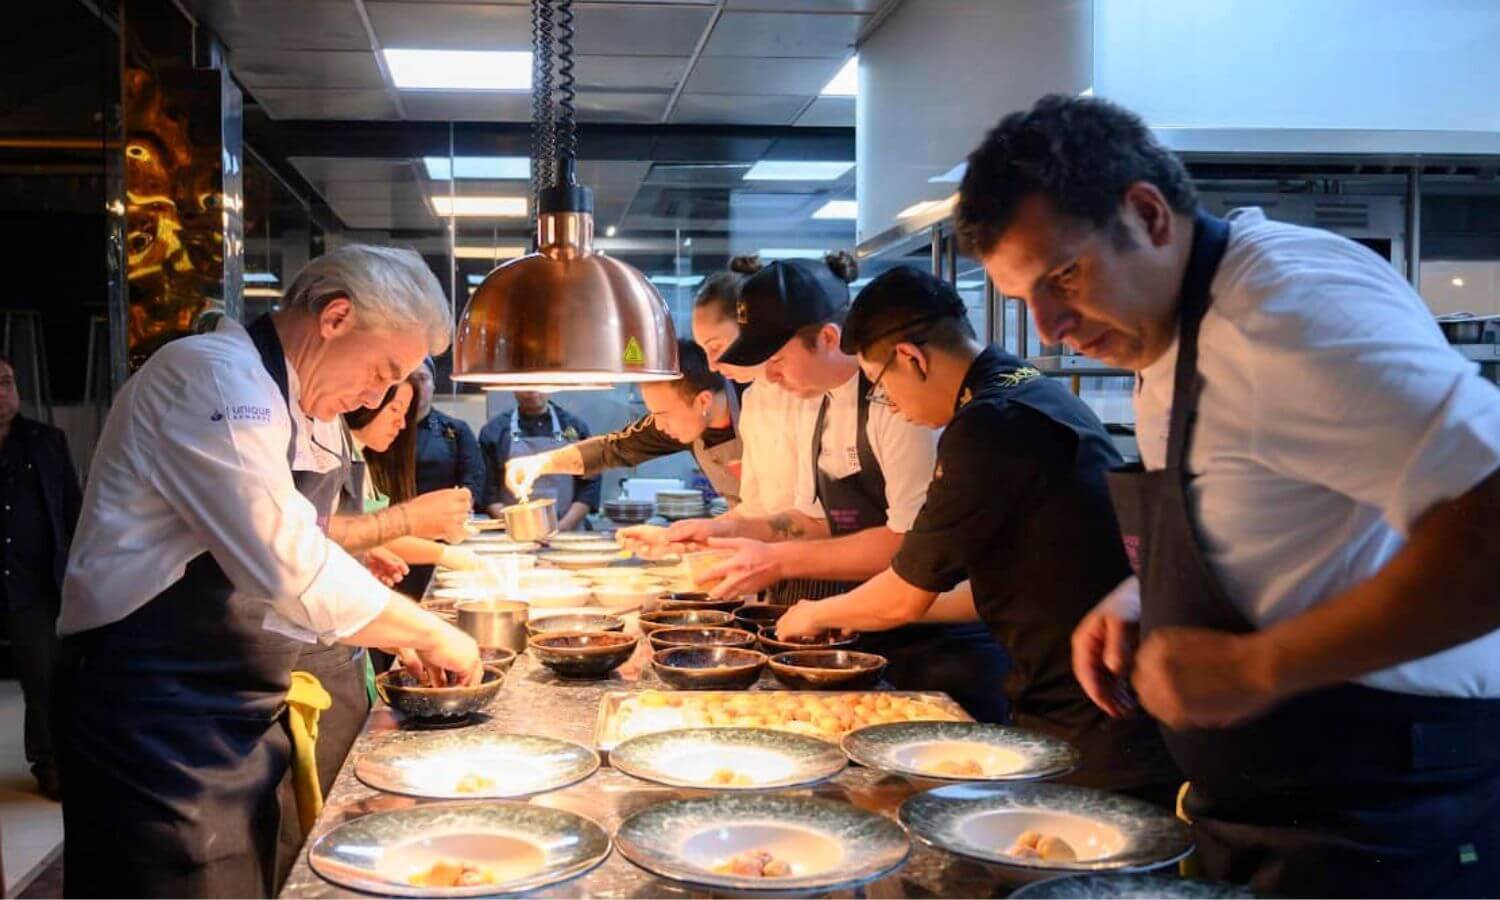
x: 407, y: 696
x: 683, y: 618
x: 573, y: 622
x: 828, y: 670
x: 828, y: 640
x: 499, y: 657
x: 662, y: 638
x: 583, y: 654
x: 752, y: 616
x: 700, y: 600
x: 708, y: 668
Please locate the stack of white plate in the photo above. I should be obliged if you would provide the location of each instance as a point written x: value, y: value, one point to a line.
x: 680, y: 504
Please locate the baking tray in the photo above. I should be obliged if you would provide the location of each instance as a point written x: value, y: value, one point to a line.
x: 606, y: 728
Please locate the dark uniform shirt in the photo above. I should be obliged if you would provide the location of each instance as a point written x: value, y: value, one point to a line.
x: 640, y: 441
x: 448, y: 456
x: 494, y: 442
x: 1019, y: 505
x: 28, y: 540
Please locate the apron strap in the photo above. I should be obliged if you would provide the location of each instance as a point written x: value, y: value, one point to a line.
x: 273, y: 357
x: 1210, y: 238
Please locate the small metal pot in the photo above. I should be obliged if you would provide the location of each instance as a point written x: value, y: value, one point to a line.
x: 495, y: 623
x: 531, y: 521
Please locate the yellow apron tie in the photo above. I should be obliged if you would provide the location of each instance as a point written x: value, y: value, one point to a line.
x: 1189, y: 867
x: 305, y: 702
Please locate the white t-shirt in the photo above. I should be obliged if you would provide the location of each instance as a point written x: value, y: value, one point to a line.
x: 1333, y: 415
x: 193, y: 459
x: 907, y: 453
x: 775, y: 458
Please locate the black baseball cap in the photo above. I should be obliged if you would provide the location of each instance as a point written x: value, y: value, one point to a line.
x: 780, y: 300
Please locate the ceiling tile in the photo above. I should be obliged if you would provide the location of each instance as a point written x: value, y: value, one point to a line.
x: 283, y: 24
x: 467, y: 106
x: 737, y: 109
x: 631, y: 73
x: 370, y: 192
x: 730, y: 75
x: 294, y: 103
x: 451, y: 26
x: 830, y: 111
x: 319, y: 169
x: 783, y: 34
x: 610, y: 106
x: 611, y: 30
x: 808, y: 6
x: 259, y: 68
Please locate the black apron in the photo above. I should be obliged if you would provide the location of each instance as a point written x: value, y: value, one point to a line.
x: 173, y: 742
x: 962, y: 660
x: 1346, y: 791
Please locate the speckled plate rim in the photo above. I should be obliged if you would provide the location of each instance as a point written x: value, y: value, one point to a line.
x: 1153, y: 837
x: 631, y: 756
x: 1088, y: 884
x: 433, y: 744
x: 875, y: 746
x: 346, y: 876
x: 654, y: 863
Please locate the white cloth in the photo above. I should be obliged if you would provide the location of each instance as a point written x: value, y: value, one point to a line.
x: 775, y: 459
x: 193, y: 459
x: 907, y: 453
x: 1333, y: 416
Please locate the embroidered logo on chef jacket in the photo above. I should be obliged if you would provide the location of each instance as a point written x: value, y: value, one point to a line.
x: 851, y: 458
x: 254, y: 415
x: 570, y: 434
x: 216, y: 417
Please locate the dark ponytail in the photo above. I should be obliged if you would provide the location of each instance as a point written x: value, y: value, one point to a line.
x: 843, y: 264
x: 721, y: 291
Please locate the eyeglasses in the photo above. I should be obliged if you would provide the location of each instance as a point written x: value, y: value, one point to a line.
x: 876, y: 395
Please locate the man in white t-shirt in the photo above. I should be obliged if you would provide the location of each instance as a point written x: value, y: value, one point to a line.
x: 1315, y: 526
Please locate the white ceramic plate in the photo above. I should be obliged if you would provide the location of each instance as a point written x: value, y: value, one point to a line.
x: 461, y: 765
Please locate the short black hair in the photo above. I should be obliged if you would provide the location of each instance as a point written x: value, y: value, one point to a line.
x: 1081, y: 153
x: 696, y: 375
x: 901, y: 304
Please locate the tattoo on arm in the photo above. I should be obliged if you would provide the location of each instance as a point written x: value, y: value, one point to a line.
x: 784, y: 526
x: 357, y: 534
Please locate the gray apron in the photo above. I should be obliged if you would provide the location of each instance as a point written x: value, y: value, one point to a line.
x: 557, y: 487
x: 721, y: 462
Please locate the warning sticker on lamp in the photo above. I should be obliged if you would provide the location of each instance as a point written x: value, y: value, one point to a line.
x: 634, y: 355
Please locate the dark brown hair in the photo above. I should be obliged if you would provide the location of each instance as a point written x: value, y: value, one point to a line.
x: 845, y: 268
x: 721, y: 290
x: 394, y: 470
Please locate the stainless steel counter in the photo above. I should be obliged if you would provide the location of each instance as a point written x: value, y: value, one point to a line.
x: 533, y: 701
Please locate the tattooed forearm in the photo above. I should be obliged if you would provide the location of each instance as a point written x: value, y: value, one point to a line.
x: 784, y: 527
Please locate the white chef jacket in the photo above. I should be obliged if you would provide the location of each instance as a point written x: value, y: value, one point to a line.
x: 193, y: 459
x: 907, y: 453
x: 1333, y: 415
x: 775, y: 459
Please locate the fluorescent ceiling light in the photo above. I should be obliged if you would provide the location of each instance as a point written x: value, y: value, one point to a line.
x: 790, y: 253
x: 838, y: 209
x: 261, y: 278
x: 459, y: 70
x: 677, y: 280
x: 845, y: 83
x: 262, y: 292
x: 952, y: 176
x: 797, y: 170
x: 445, y: 206
x: 489, y: 252
x: 496, y: 168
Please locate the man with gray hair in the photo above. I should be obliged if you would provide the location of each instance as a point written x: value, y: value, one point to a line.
x: 200, y: 568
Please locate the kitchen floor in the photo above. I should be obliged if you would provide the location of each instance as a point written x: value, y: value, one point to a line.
x: 30, y: 825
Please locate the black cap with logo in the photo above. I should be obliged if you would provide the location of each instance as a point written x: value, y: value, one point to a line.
x: 780, y: 300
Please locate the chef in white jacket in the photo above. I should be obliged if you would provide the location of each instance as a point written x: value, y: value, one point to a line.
x: 201, y: 567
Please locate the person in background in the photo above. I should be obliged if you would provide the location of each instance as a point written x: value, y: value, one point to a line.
x: 1315, y: 523
x: 40, y: 495
x: 1018, y: 505
x: 698, y: 412
x: 447, y: 454
x: 201, y: 569
x: 537, y: 425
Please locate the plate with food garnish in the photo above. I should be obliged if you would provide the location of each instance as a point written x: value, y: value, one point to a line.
x: 728, y: 759
x: 464, y: 766
x: 960, y: 751
x: 459, y: 849
x: 784, y: 843
x: 1039, y: 829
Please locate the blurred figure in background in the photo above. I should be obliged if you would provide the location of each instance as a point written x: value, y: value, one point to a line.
x: 40, y: 496
x: 447, y: 454
x: 537, y: 425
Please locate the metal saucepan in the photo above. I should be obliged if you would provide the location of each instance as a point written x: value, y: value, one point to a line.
x: 532, y: 520
x: 495, y: 623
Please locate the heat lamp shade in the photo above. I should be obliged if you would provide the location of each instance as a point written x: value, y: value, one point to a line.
x: 565, y: 319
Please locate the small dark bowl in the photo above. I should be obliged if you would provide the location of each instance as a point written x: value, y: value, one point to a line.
x: 700, y: 600
x: 828, y: 640
x: 499, y: 657
x: 708, y: 668
x: 662, y: 638
x: 828, y: 670
x: 583, y: 654
x: 683, y: 618
x: 407, y: 696
x: 574, y: 622
x: 752, y: 616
